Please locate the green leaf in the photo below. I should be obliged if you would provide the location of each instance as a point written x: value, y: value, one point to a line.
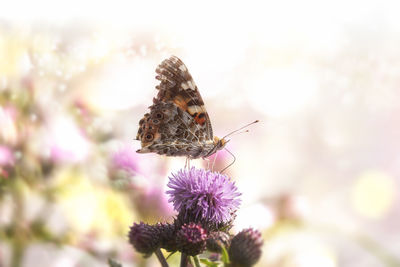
x: 209, y: 263
x: 225, y: 255
x: 113, y: 263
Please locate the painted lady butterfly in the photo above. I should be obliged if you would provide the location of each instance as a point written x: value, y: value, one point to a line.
x: 178, y: 123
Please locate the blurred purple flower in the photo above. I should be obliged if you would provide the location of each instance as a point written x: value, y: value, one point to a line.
x: 152, y: 202
x: 130, y: 172
x: 204, y: 195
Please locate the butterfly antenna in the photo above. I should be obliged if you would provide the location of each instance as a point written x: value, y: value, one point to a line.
x: 241, y: 128
x: 187, y: 163
x: 234, y: 159
x: 233, y: 134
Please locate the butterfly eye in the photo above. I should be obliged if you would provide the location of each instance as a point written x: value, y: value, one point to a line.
x: 149, y: 137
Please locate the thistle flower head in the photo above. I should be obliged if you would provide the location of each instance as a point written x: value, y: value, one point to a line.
x: 245, y: 248
x: 203, y: 195
x: 144, y: 238
x: 217, y: 240
x: 167, y: 234
x: 191, y: 239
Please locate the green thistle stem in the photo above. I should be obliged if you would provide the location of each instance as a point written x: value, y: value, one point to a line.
x: 184, y: 260
x: 161, y: 258
x: 196, y: 261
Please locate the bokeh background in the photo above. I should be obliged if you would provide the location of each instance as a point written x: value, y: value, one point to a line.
x: 319, y: 174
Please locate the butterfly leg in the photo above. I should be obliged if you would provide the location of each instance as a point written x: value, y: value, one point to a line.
x: 208, y: 162
x: 215, y: 159
x: 187, y: 163
x: 234, y: 159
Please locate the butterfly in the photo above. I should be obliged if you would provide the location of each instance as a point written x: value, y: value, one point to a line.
x: 178, y: 123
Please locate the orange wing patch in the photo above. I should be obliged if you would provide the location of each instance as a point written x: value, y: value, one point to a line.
x: 200, y: 118
x: 180, y: 102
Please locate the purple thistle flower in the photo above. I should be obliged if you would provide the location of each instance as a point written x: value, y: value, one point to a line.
x: 203, y: 195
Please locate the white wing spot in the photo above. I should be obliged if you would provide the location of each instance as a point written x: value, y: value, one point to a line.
x: 182, y: 68
x: 195, y: 109
x: 174, y: 59
x: 191, y: 85
x: 184, y: 86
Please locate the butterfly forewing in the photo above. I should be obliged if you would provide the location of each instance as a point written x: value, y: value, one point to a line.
x: 178, y: 123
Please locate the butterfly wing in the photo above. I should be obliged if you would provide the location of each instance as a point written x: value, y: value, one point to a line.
x: 178, y: 123
x: 177, y: 86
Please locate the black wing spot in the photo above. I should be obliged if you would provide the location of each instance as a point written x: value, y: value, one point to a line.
x: 149, y: 137
x: 159, y: 115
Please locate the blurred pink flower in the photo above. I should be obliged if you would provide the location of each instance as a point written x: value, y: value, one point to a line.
x: 152, y: 202
x: 6, y: 160
x: 126, y: 159
x: 66, y: 141
x: 6, y: 156
x: 142, y: 179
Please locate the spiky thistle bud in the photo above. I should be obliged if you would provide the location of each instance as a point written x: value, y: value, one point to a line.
x: 144, y: 238
x: 217, y: 240
x: 245, y: 248
x: 167, y: 233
